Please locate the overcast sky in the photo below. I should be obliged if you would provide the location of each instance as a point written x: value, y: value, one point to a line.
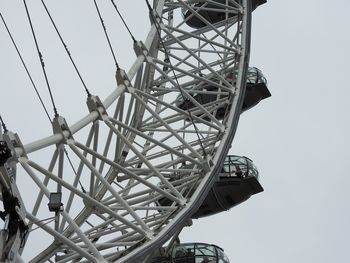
x: 298, y: 138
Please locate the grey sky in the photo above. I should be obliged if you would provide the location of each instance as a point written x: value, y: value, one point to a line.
x: 298, y: 138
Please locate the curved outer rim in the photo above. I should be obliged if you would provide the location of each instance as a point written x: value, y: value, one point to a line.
x: 139, y: 253
x: 198, y: 197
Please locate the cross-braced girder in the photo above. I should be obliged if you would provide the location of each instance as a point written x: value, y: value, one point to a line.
x: 152, y: 139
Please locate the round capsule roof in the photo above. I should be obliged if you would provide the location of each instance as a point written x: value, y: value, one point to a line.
x: 239, y: 166
x: 198, y: 252
x: 255, y: 76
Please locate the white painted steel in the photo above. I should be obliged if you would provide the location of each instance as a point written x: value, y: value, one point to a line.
x: 147, y: 164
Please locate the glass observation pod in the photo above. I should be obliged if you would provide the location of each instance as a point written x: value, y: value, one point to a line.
x: 213, y: 12
x: 194, y: 253
x: 256, y: 90
x: 237, y: 182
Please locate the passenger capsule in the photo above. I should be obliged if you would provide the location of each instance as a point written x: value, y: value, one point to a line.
x: 194, y: 253
x: 212, y: 12
x: 256, y: 90
x: 237, y: 182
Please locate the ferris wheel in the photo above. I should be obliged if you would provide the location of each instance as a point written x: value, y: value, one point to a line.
x: 128, y: 176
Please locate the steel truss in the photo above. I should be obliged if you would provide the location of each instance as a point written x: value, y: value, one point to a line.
x: 137, y: 147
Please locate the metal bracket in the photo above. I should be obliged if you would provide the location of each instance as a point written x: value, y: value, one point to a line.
x: 140, y: 49
x: 14, y: 144
x: 94, y: 104
x: 59, y: 125
x: 123, y: 79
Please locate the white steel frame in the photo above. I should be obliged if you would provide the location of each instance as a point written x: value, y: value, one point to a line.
x: 135, y: 157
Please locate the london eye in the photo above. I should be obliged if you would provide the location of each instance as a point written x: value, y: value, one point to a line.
x: 120, y: 183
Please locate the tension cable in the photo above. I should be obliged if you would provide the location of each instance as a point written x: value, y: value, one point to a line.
x: 44, y: 71
x: 106, y: 34
x: 41, y: 60
x: 121, y: 17
x: 66, y: 48
x: 25, y: 66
